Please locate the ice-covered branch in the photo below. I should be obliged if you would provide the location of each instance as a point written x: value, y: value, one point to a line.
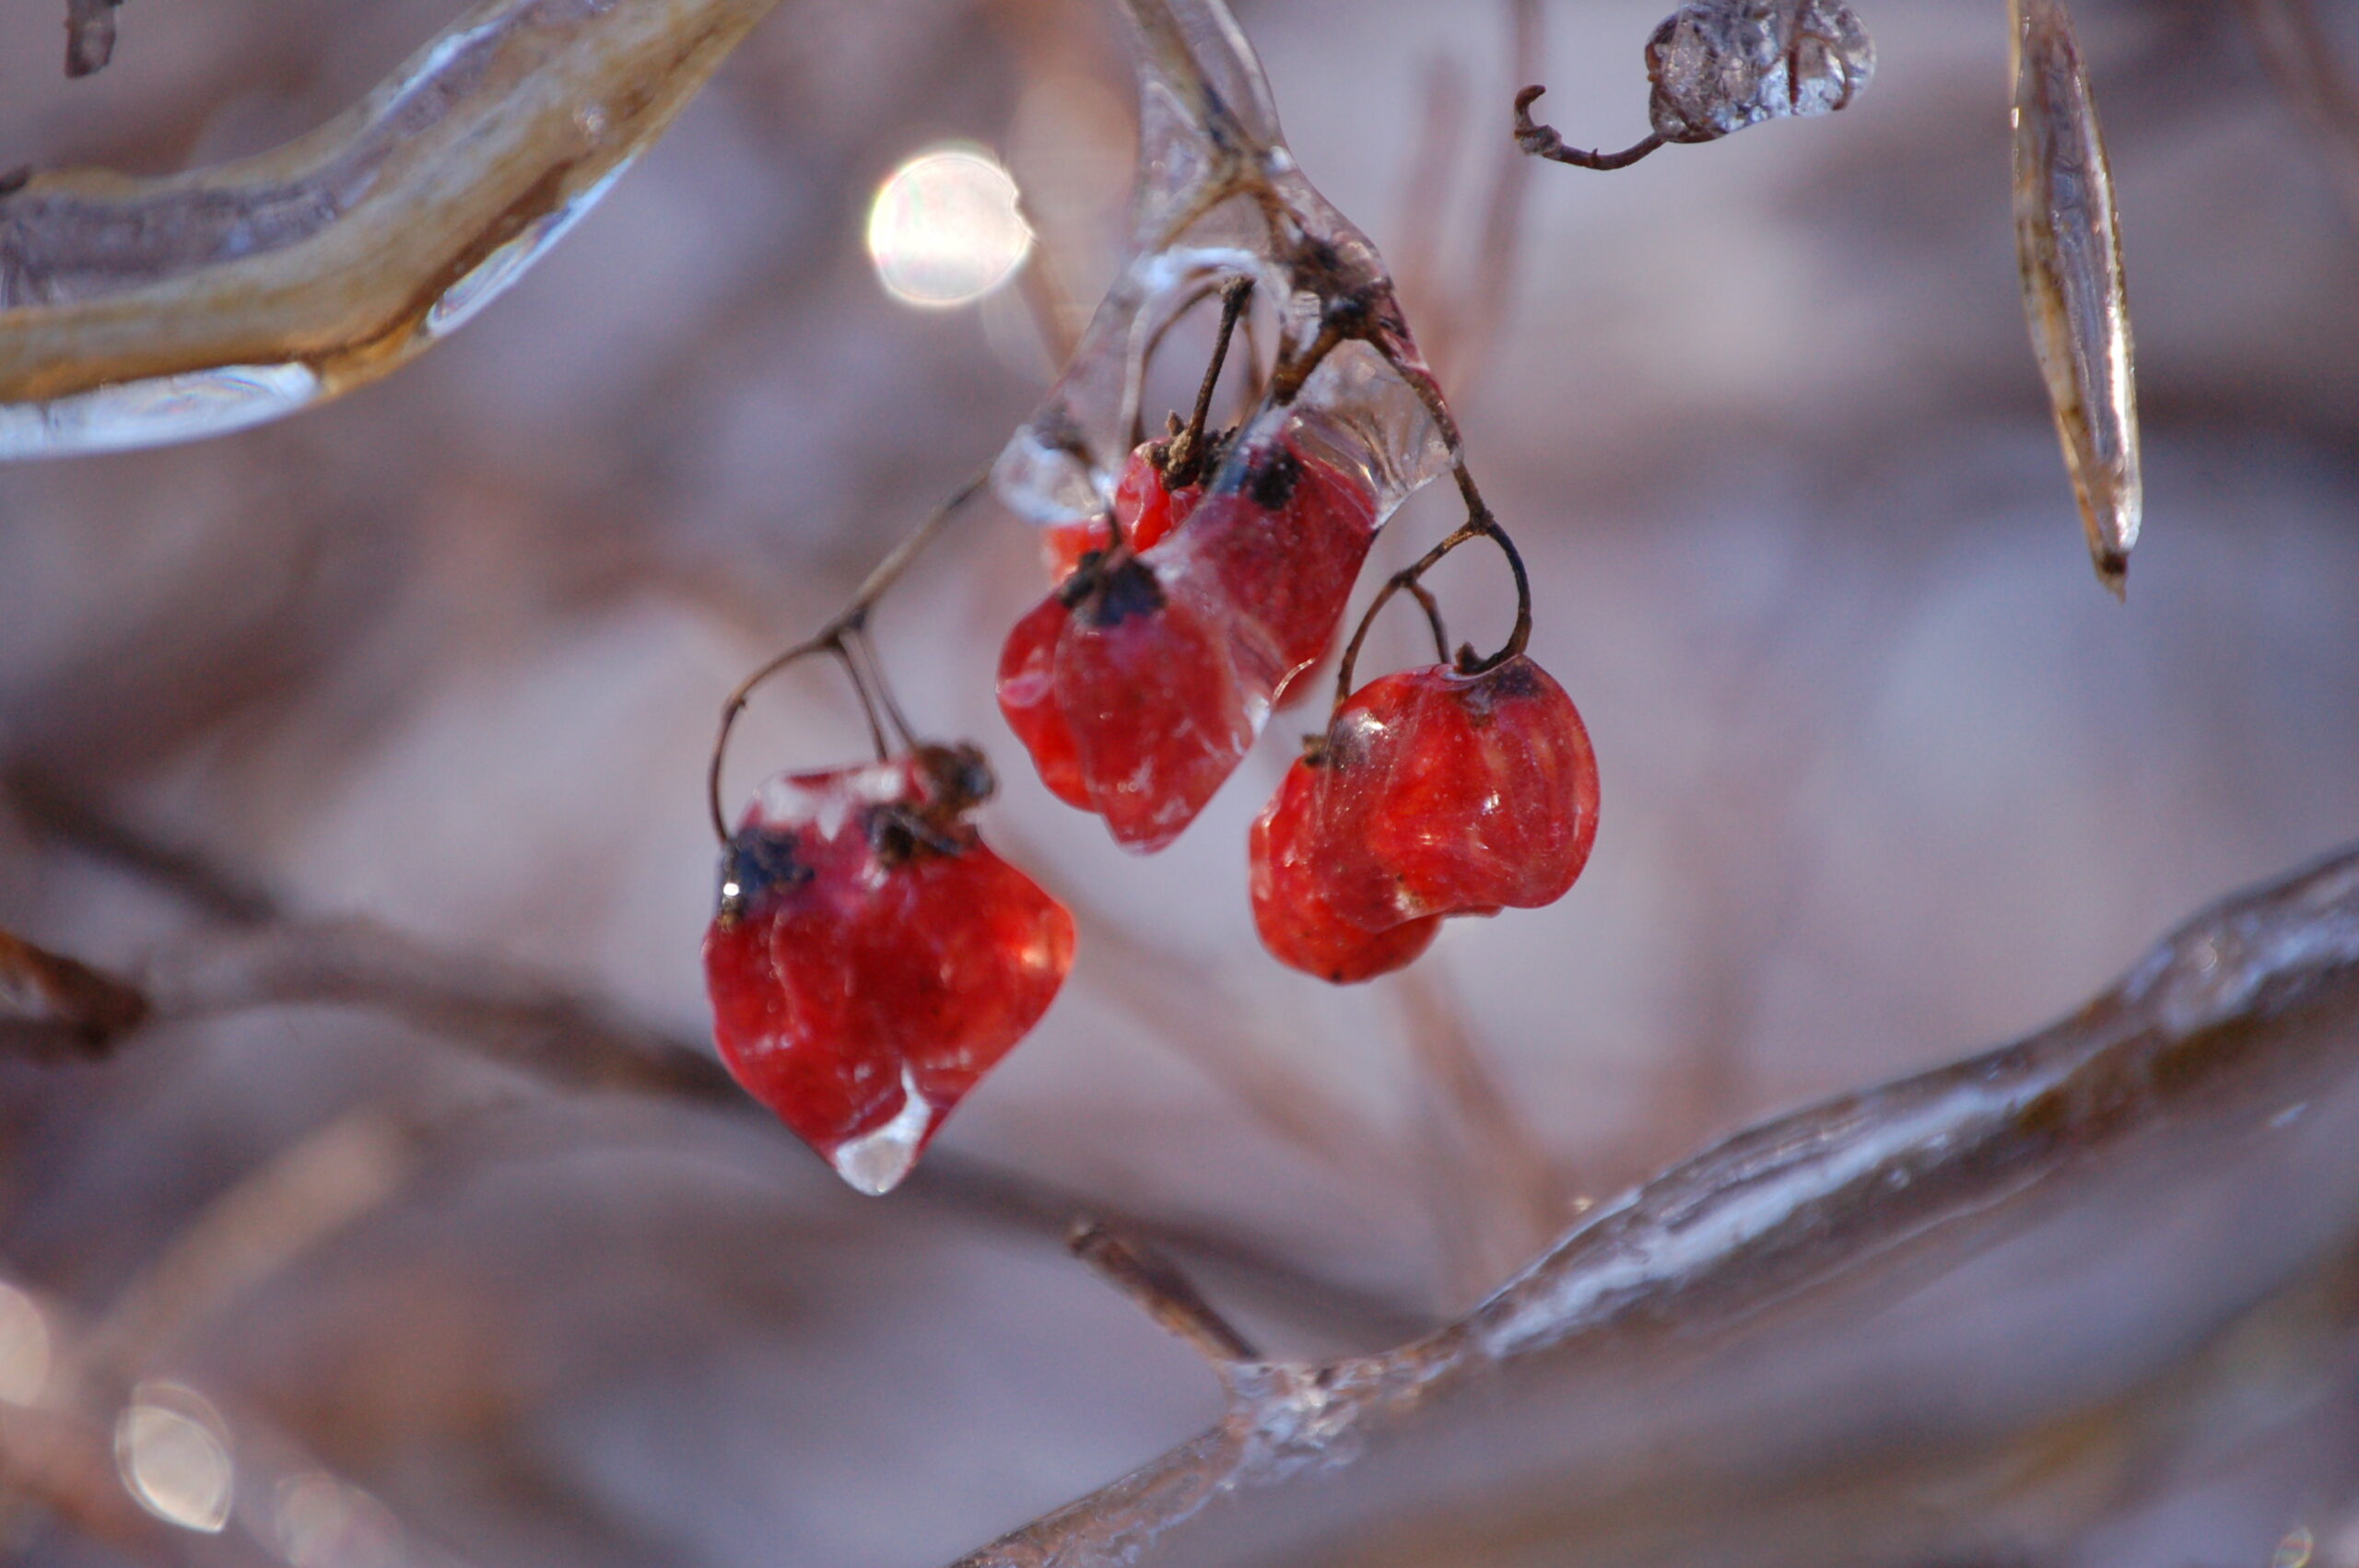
x: 2251, y: 1009
x: 136, y: 311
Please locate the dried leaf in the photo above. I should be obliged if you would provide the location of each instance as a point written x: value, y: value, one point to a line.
x: 1720, y: 65
x: 2069, y: 245
x: 89, y: 35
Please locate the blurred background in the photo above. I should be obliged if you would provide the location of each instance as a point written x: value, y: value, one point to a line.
x: 1887, y: 777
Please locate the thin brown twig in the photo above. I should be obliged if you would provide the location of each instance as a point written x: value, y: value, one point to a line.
x: 53, y: 1005
x: 847, y: 626
x: 1166, y: 1294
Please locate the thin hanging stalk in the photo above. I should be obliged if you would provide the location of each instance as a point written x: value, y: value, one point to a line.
x: 2070, y: 247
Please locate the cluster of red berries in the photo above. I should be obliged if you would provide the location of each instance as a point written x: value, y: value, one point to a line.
x: 1139, y: 684
x: 871, y: 959
x: 1432, y: 793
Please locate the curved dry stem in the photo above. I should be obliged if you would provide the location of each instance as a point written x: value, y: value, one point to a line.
x: 1542, y: 141
x: 846, y: 636
x: 2250, y: 1006
x: 135, y: 311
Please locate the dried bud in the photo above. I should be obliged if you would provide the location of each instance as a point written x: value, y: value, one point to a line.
x: 1720, y: 65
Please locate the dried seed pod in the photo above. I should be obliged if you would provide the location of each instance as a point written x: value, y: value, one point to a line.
x: 2070, y: 248
x: 1720, y: 65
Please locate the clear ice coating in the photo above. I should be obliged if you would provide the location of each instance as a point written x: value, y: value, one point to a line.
x: 497, y: 273
x: 1218, y: 194
x: 156, y: 412
x: 2069, y: 245
x: 1720, y: 65
x: 136, y: 311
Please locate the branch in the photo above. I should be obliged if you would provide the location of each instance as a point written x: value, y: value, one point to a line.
x: 2250, y: 1004
x: 134, y: 311
x: 51, y: 1005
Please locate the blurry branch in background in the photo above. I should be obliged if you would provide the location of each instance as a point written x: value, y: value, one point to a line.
x: 267, y: 957
x: 89, y: 35
x: 52, y: 1005
x: 1460, y: 304
x: 2295, y: 48
x: 134, y: 311
x: 2068, y: 243
x: 2250, y: 1007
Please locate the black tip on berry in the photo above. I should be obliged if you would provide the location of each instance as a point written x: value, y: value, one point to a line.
x: 958, y: 778
x: 758, y: 862
x: 1130, y: 589
x: 1271, y: 475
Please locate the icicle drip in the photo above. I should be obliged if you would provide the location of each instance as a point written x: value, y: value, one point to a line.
x: 1720, y: 65
x: 1218, y: 195
x: 2070, y: 248
x: 140, y: 311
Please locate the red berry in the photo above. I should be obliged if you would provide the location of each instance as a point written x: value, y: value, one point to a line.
x: 1465, y: 792
x: 871, y: 959
x: 1291, y: 910
x: 1027, y: 699
x: 1433, y: 793
x: 1126, y: 695
x: 1285, y: 546
x: 1142, y: 505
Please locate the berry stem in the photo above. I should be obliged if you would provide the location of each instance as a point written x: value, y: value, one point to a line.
x: 1187, y: 451
x: 1542, y: 141
x: 846, y: 630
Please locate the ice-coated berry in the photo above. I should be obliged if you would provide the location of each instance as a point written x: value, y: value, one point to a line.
x: 1433, y: 793
x: 1477, y: 791
x: 1291, y: 910
x: 871, y: 959
x: 1140, y: 683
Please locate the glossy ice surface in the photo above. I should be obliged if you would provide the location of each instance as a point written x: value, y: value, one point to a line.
x: 871, y: 959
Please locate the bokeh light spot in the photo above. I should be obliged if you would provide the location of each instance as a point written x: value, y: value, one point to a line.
x: 173, y: 1453
x: 944, y: 229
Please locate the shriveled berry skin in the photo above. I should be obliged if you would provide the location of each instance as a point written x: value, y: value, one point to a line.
x: 1141, y: 682
x: 1297, y: 923
x: 1446, y: 794
x: 871, y: 959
